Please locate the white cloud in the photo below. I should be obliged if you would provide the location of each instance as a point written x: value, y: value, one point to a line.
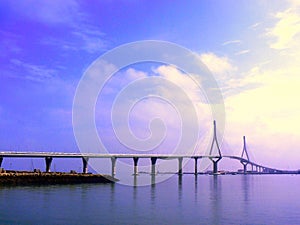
x: 232, y: 42
x: 261, y: 98
x: 68, y: 14
x: 294, y: 3
x: 132, y: 74
x: 184, y: 81
x: 163, y: 100
x: 50, y: 12
x: 255, y: 25
x: 285, y: 30
x: 91, y: 39
x: 217, y: 64
x: 33, y: 72
x: 242, y: 52
x: 223, y: 70
x: 268, y: 113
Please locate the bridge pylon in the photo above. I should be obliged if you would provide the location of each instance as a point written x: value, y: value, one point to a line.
x: 245, y: 149
x: 215, y: 140
x: 245, y: 152
x: 215, y: 158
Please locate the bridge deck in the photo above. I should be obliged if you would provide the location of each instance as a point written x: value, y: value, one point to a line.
x: 99, y: 155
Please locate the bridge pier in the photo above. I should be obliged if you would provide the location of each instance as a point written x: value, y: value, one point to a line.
x: 85, y: 164
x: 153, y: 162
x: 153, y: 180
x: 1, y: 160
x: 48, y: 161
x: 196, y: 165
x: 215, y: 164
x: 215, y: 167
x: 135, y: 166
x: 245, y: 166
x: 113, y: 166
x: 180, y: 165
x: 252, y: 167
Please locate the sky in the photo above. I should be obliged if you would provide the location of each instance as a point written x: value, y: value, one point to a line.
x: 252, y: 49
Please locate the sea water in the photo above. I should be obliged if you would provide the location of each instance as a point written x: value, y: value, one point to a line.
x: 187, y: 199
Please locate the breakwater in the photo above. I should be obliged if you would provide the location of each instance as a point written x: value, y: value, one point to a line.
x: 43, y: 178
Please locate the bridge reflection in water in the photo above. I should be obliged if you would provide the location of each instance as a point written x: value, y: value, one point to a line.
x: 215, y: 158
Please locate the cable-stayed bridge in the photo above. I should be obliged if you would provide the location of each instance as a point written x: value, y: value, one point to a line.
x: 214, y: 157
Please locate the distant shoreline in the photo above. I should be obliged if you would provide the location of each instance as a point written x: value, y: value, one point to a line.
x: 12, y: 177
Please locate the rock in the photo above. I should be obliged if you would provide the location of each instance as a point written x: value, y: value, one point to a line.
x: 37, y: 171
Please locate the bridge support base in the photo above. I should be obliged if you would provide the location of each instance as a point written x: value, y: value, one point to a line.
x: 153, y: 180
x: 245, y: 166
x: 135, y: 165
x: 215, y: 164
x: 85, y: 164
x: 153, y: 162
x: 196, y: 165
x: 215, y: 169
x: 180, y: 165
x: 48, y: 161
x: 113, y: 166
x: 1, y: 160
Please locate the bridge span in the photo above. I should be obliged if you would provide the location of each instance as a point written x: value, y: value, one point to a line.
x: 49, y: 156
x: 214, y: 157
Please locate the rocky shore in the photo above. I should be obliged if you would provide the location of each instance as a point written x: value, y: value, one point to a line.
x: 42, y: 178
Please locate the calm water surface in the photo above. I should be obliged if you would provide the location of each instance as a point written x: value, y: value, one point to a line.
x: 240, y: 199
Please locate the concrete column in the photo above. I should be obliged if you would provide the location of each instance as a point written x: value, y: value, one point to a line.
x: 153, y: 179
x: 215, y: 164
x: 48, y: 160
x: 85, y: 164
x: 113, y: 166
x: 153, y: 162
x: 196, y: 165
x: 180, y: 182
x: 245, y: 166
x: 135, y: 181
x: 1, y: 160
x: 135, y: 166
x: 252, y: 167
x: 180, y: 165
x: 215, y: 167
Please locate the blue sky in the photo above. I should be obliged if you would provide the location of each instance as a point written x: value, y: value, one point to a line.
x: 251, y: 47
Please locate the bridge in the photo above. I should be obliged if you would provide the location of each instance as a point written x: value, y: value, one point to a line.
x: 243, y: 159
